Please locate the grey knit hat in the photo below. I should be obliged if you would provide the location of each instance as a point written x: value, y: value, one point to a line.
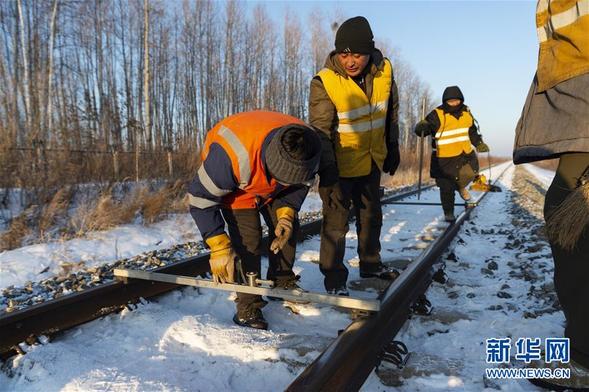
x: 293, y: 154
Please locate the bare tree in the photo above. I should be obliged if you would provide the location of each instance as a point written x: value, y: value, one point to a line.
x: 140, y: 76
x: 48, y: 116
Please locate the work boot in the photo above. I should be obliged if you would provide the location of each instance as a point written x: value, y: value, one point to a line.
x: 252, y: 318
x: 288, y: 284
x: 381, y: 272
x: 449, y: 217
x: 579, y: 380
x: 343, y: 291
x: 464, y: 194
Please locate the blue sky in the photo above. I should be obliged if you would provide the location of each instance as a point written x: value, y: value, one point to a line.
x: 488, y: 48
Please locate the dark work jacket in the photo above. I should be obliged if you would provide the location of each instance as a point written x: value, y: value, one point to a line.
x: 449, y: 167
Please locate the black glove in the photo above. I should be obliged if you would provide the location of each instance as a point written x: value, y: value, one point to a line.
x: 391, y: 162
x: 482, y: 147
x: 423, y: 128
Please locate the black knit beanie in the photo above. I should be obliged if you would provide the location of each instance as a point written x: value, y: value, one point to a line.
x: 354, y: 36
x: 288, y: 169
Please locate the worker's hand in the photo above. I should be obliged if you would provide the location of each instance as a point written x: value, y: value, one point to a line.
x: 391, y: 162
x: 283, y: 229
x: 423, y: 128
x: 482, y: 147
x: 222, y: 259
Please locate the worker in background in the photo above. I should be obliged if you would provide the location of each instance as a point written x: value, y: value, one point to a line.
x: 555, y: 124
x: 253, y: 163
x: 353, y: 101
x: 454, y: 162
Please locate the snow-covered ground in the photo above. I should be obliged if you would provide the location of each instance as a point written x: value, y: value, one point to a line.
x: 186, y: 341
x: 42, y: 261
x: 544, y: 175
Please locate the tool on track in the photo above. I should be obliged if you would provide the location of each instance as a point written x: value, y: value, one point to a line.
x: 419, y: 203
x: 480, y: 184
x: 255, y: 286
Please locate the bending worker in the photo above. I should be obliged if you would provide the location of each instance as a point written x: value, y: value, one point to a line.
x: 253, y: 162
x: 354, y: 103
x: 454, y: 163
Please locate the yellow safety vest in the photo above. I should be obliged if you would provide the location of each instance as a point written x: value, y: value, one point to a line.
x: 361, y: 122
x: 452, y: 138
x: 563, y: 32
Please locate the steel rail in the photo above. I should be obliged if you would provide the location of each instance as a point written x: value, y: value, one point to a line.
x: 364, y: 304
x: 60, y: 314
x: 349, y: 359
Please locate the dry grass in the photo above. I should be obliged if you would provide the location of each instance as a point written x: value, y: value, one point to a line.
x: 19, y: 229
x: 179, y: 198
x: 102, y: 214
x: 407, y: 173
x: 107, y: 213
x: 56, y: 208
x: 405, y: 177
x: 169, y: 199
x: 50, y: 221
x: 24, y: 169
x: 154, y: 204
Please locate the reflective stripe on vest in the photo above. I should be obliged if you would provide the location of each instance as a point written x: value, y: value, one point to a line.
x: 241, y: 154
x: 361, y: 121
x: 563, y: 32
x: 452, y: 138
x: 201, y: 202
x: 560, y: 20
x: 209, y: 185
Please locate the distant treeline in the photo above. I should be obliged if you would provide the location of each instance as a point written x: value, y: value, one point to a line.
x: 148, y: 76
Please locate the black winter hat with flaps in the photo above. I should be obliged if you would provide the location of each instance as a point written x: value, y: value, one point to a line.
x: 354, y: 36
x: 289, y: 169
x: 452, y: 92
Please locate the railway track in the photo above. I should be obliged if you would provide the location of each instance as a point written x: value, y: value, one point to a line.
x: 60, y: 314
x: 344, y: 365
x: 349, y: 359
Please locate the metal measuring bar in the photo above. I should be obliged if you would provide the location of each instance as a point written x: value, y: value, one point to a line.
x: 371, y: 305
x: 418, y: 203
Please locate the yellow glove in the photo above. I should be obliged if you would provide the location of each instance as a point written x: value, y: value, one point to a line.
x: 283, y: 229
x: 222, y: 259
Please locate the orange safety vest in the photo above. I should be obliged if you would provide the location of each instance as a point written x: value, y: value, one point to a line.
x: 563, y: 32
x: 452, y: 137
x: 241, y: 136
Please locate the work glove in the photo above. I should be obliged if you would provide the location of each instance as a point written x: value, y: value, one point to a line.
x: 283, y: 229
x: 222, y: 259
x: 391, y: 162
x: 482, y: 147
x: 423, y: 128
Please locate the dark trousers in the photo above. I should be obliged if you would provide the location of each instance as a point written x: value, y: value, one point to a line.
x: 364, y: 193
x: 465, y: 174
x: 447, y: 195
x: 571, y: 269
x: 245, y: 231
